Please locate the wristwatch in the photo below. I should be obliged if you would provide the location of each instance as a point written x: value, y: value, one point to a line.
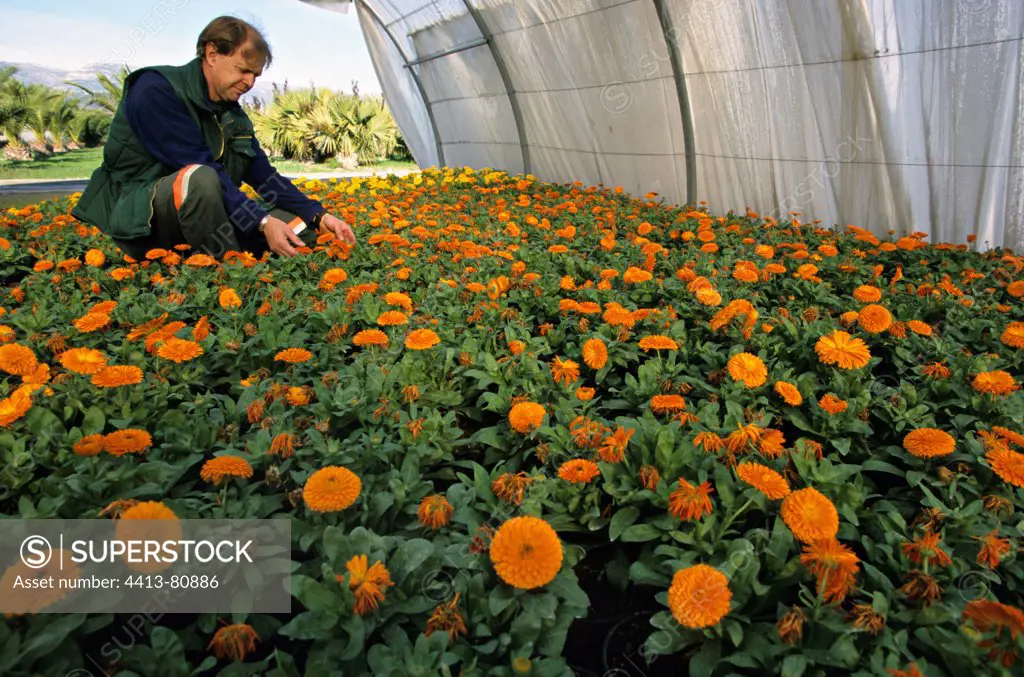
x: 263, y: 223
x: 316, y: 219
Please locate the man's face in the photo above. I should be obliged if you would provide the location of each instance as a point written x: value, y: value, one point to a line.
x: 229, y: 76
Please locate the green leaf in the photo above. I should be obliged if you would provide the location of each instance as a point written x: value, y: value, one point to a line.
x: 312, y: 593
x: 525, y: 630
x: 409, y: 557
x: 704, y: 661
x: 725, y: 486
x: 735, y: 631
x: 166, y: 646
x: 794, y: 665
x: 95, y: 421
x: 622, y: 519
x: 639, y: 533
x: 491, y: 437
x: 880, y: 604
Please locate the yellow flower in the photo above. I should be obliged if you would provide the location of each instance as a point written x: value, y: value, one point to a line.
x: 526, y: 552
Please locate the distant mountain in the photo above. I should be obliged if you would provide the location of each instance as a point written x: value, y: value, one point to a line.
x: 86, y: 75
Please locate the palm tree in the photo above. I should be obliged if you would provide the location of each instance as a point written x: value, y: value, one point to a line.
x: 109, y: 96
x: 14, y: 112
x: 42, y: 103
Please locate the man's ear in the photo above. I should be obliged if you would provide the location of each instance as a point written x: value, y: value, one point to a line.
x: 211, y: 49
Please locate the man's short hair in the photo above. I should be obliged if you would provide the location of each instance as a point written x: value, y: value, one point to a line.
x: 228, y: 33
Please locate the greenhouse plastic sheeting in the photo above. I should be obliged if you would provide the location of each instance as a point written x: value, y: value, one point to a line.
x: 888, y: 114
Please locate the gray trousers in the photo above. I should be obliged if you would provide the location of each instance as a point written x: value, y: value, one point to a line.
x: 188, y: 208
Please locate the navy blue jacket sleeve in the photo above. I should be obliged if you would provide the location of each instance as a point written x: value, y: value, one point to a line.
x: 162, y: 123
x: 277, y: 190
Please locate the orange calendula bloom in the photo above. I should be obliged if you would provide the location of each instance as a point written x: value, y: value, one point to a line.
x: 699, y: 596
x: 526, y: 552
x: 116, y: 376
x: 368, y: 583
x: 842, y: 350
x: 926, y: 548
x: 371, y: 337
x: 832, y: 404
x: 994, y: 617
x: 749, y: 369
x: 282, y: 445
x: 511, y: 488
x: 578, y: 471
x: 1013, y: 335
x: 690, y: 502
x: 391, y: 318
x: 874, y: 318
x: 929, y: 443
x: 834, y: 565
x: 584, y: 394
x: 331, y: 489
x: 293, y: 355
x: 764, y: 479
x: 447, y: 618
x: 565, y: 372
x: 936, y: 370
x: 229, y: 298
x: 17, y: 359
x: 595, y: 353
x: 1007, y: 464
x: 613, y: 447
x: 233, y: 642
x: 525, y: 417
x: 216, y: 469
x: 434, y: 511
x: 128, y: 441
x: 998, y: 383
x: 90, y: 445
x: 993, y: 549
x: 657, y: 342
x: 14, y: 407
x: 90, y: 322
x: 810, y: 515
x: 789, y: 393
x: 421, y: 339
x: 867, y: 294
x: 179, y: 350
x: 667, y: 404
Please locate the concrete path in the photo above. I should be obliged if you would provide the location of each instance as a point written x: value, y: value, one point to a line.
x: 13, y: 186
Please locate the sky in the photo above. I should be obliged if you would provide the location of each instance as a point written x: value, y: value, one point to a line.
x: 308, y: 43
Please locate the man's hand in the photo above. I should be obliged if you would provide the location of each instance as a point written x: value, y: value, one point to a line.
x: 281, y: 237
x: 332, y: 224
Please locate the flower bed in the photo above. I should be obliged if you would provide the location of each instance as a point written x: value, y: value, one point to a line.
x: 527, y: 428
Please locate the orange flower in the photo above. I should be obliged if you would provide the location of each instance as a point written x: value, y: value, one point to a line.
x: 95, y: 258
x: 993, y: 549
x: 998, y: 383
x: 613, y: 447
x: 833, y: 564
x: 936, y: 370
x: 926, y: 549
x: 17, y: 359
x: 578, y: 471
x: 595, y: 353
x: 874, y: 318
x: 832, y: 404
x: 525, y: 417
x: 179, y: 350
x: 128, y: 441
x: 233, y: 641
x: 371, y: 337
x: 657, y: 342
x: 689, y: 502
x: 867, y: 294
x: 368, y: 583
x: 282, y: 445
x: 200, y: 261
x: 764, y: 479
x: 584, y: 394
x: 810, y: 515
x: 229, y: 298
x: 1013, y: 335
x: 634, y: 275
x: 331, y: 489
x: 216, y: 469
x: 117, y: 375
x: 90, y: 445
x: 511, y: 488
x: 293, y: 356
x: 434, y: 511
x: 749, y: 369
x: 14, y: 407
x: 1007, y: 464
x: 842, y: 350
x: 789, y: 393
x: 297, y: 396
x: 929, y: 443
x: 919, y: 327
x: 565, y: 372
x: 390, y: 318
x: 421, y: 339
x: 664, y: 404
x: 526, y: 552
x: 993, y: 617
x: 447, y: 618
x: 699, y: 596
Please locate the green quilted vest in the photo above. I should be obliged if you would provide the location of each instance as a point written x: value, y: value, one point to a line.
x: 119, y: 197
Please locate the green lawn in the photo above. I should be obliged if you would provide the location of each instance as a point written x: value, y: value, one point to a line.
x: 75, y: 164
x: 79, y: 164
